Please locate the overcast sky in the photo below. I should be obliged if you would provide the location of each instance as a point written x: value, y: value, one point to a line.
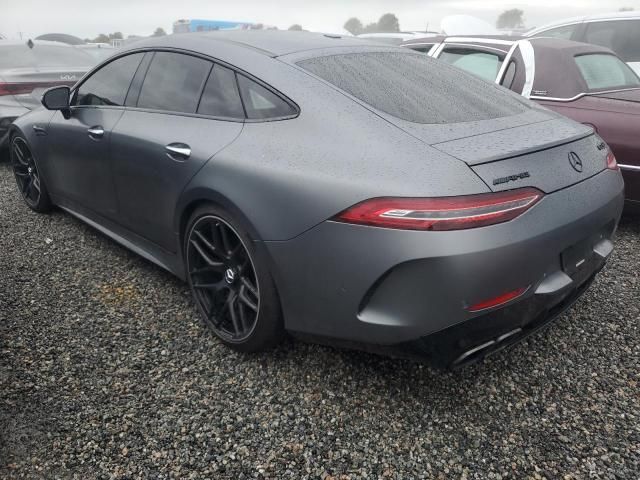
x: 88, y: 18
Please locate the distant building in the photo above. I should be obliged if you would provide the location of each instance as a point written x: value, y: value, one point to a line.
x: 198, y: 25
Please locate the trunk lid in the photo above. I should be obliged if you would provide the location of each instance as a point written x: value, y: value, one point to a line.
x: 535, y: 149
x: 632, y: 95
x: 31, y: 83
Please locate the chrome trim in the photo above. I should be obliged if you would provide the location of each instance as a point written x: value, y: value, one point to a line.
x: 529, y: 60
x: 505, y: 64
x: 478, y: 40
x: 580, y: 95
x: 631, y: 168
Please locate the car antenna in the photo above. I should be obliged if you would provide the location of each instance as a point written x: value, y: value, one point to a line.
x: 30, y: 43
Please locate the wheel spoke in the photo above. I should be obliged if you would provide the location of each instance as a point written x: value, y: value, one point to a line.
x: 209, y: 286
x: 205, y: 256
x: 225, y: 240
x: 235, y: 321
x: 26, y: 186
x: 36, y: 183
x: 245, y: 281
x: 244, y: 298
x: 19, y: 154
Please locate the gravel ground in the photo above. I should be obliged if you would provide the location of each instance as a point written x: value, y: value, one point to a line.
x: 106, y: 372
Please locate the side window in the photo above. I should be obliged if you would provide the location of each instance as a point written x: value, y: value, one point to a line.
x: 110, y: 84
x: 509, y: 75
x: 221, y: 97
x: 484, y: 65
x: 565, y: 32
x: 261, y: 103
x: 621, y: 36
x: 174, y: 82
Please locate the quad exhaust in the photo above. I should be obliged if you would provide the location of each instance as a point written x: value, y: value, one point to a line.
x: 476, y: 353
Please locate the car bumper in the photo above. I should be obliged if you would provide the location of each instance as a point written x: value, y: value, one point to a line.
x: 389, y: 287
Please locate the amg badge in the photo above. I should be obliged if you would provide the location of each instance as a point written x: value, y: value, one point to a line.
x: 511, y: 178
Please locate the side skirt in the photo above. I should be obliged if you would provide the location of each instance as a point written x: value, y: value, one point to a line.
x: 135, y: 243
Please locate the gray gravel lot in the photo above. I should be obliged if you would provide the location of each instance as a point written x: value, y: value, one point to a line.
x: 106, y: 372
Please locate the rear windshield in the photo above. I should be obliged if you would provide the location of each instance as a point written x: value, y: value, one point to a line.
x: 603, y: 71
x: 484, y: 65
x: 416, y: 88
x: 44, y: 56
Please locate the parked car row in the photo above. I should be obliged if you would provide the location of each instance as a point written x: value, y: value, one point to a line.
x: 587, y: 83
x: 28, y: 68
x: 335, y: 188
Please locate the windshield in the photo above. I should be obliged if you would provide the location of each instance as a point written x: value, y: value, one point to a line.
x: 603, y: 71
x: 43, y: 56
x: 413, y: 87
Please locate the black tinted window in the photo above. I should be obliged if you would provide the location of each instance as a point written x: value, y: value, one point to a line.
x: 109, y: 85
x: 21, y: 56
x: 416, y: 88
x: 174, y: 82
x: 621, y: 36
x: 261, y: 103
x: 221, y: 97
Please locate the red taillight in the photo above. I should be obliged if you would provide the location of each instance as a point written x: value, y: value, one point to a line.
x: 612, y: 163
x: 18, y: 88
x: 443, y: 213
x: 497, y: 301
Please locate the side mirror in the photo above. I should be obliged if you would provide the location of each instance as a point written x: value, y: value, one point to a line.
x: 57, y: 98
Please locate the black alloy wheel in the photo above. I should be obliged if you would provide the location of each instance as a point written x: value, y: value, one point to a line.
x: 223, y: 279
x: 28, y: 178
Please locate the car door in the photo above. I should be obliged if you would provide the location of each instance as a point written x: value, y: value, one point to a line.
x: 187, y: 110
x: 78, y: 161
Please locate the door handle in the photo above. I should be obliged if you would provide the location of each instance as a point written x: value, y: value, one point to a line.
x: 39, y: 130
x: 178, y: 151
x: 96, y: 132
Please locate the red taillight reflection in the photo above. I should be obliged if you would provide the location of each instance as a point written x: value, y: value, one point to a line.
x: 612, y: 163
x: 497, y: 301
x: 19, y: 88
x: 443, y: 213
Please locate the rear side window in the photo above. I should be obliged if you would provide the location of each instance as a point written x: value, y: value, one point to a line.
x: 260, y: 103
x: 484, y: 65
x: 621, y: 36
x: 174, y: 82
x: 21, y: 56
x: 565, y: 32
x: 509, y: 75
x: 221, y: 97
x: 109, y: 85
x: 414, y: 87
x: 603, y: 71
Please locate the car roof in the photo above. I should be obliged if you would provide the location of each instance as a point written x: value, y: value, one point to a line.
x: 273, y: 43
x: 585, y: 18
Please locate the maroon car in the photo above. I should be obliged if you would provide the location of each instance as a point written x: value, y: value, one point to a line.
x: 587, y: 83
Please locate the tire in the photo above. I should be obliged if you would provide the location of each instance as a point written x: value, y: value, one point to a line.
x: 30, y: 183
x: 221, y: 262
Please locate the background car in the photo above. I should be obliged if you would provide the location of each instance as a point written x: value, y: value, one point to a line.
x: 330, y: 187
x: 587, y: 83
x: 99, y: 51
x: 32, y: 65
x: 619, y: 31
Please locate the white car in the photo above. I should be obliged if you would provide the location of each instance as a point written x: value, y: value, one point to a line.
x: 618, y: 31
x: 394, y: 38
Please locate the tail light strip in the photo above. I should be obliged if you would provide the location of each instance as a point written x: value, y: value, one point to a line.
x: 442, y: 213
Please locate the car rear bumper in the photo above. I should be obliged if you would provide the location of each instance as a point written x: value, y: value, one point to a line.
x: 389, y: 287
